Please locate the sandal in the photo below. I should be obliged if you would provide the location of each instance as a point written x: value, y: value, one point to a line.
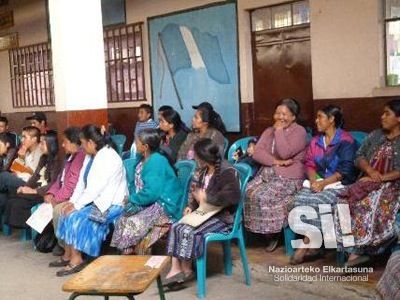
x: 357, y: 261
x: 272, y: 245
x: 189, y: 276
x: 59, y: 263
x: 71, y: 269
x: 177, y: 278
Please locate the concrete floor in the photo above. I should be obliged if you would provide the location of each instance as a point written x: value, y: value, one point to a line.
x: 24, y: 275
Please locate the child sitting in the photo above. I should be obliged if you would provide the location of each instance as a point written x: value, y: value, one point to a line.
x: 145, y: 117
x: 247, y: 157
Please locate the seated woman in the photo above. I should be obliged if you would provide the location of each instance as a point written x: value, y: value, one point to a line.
x: 154, y: 197
x: 374, y: 199
x: 18, y: 207
x: 329, y: 160
x: 96, y: 202
x: 206, y: 124
x: 216, y: 183
x: 280, y: 151
x: 389, y: 284
x: 7, y: 152
x: 63, y: 187
x: 174, y: 132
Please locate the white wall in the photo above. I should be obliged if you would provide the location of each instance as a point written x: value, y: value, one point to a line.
x: 346, y: 43
x: 345, y: 48
x: 30, y: 23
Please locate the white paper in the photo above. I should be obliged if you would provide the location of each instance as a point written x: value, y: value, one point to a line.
x: 155, y: 262
x: 41, y: 217
x: 336, y: 185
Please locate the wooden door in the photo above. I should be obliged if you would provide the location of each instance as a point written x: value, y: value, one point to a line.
x: 281, y: 68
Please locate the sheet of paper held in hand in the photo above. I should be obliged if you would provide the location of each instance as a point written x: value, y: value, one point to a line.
x: 41, y: 217
x: 155, y: 262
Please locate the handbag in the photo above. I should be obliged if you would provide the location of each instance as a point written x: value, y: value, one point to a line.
x: 200, y: 215
x: 97, y: 216
x: 45, y: 242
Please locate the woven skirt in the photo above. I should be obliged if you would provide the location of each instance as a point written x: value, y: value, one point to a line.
x: 83, y: 234
x: 268, y: 195
x: 186, y: 242
x: 130, y: 230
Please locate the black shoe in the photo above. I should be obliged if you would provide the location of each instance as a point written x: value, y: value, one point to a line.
x: 58, y: 250
x: 71, y: 269
x: 59, y: 263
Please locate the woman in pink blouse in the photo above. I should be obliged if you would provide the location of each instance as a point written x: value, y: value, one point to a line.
x: 280, y: 151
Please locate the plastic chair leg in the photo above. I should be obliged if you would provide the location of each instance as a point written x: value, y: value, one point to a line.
x: 289, y: 236
x: 227, y: 257
x: 243, y: 256
x: 5, y: 228
x: 26, y: 234
x: 340, y: 258
x: 201, y: 265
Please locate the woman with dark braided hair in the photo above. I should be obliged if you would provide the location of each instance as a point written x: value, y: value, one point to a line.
x: 207, y: 123
x: 329, y: 166
x: 215, y: 184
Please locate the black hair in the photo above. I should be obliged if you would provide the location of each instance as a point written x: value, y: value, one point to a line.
x: 394, y: 105
x: 335, y: 112
x: 148, y: 108
x: 151, y: 138
x: 213, y: 119
x: 171, y: 116
x: 51, y: 141
x: 209, y: 152
x: 73, y: 134
x: 5, y: 139
x: 252, y: 141
x: 33, y: 132
x: 4, y: 120
x: 164, y: 108
x: 92, y: 132
x: 292, y: 105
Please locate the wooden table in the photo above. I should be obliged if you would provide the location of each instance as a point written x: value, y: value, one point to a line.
x: 116, y: 275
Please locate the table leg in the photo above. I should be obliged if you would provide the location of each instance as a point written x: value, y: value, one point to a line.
x: 73, y: 296
x: 160, y: 288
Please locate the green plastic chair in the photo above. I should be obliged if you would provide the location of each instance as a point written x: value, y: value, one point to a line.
x: 243, y: 142
x: 119, y: 140
x: 236, y: 233
x: 185, y: 170
x: 130, y: 164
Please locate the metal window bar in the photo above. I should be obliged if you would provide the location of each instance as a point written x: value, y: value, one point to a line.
x: 31, y: 76
x: 124, y: 68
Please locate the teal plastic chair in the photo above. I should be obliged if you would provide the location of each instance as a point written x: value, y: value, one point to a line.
x: 358, y: 136
x: 129, y: 165
x: 119, y: 140
x: 226, y: 145
x: 243, y: 142
x: 236, y: 233
x: 185, y: 170
x: 289, y: 235
x: 25, y: 234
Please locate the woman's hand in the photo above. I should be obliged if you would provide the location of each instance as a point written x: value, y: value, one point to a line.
x: 279, y: 125
x: 26, y: 190
x: 67, y: 208
x: 22, y: 151
x: 285, y: 163
x: 317, y: 186
x: 375, y: 175
x: 187, y: 211
x: 200, y: 195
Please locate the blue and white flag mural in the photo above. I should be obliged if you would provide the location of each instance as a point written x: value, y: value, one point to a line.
x: 194, y: 58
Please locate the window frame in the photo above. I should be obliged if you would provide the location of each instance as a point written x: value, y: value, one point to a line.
x: 291, y: 3
x: 386, y: 21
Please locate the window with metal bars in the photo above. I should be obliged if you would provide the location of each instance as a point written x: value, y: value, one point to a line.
x: 392, y: 42
x: 31, y: 72
x: 124, y: 63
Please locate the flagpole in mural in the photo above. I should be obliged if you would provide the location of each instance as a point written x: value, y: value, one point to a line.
x: 170, y: 72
